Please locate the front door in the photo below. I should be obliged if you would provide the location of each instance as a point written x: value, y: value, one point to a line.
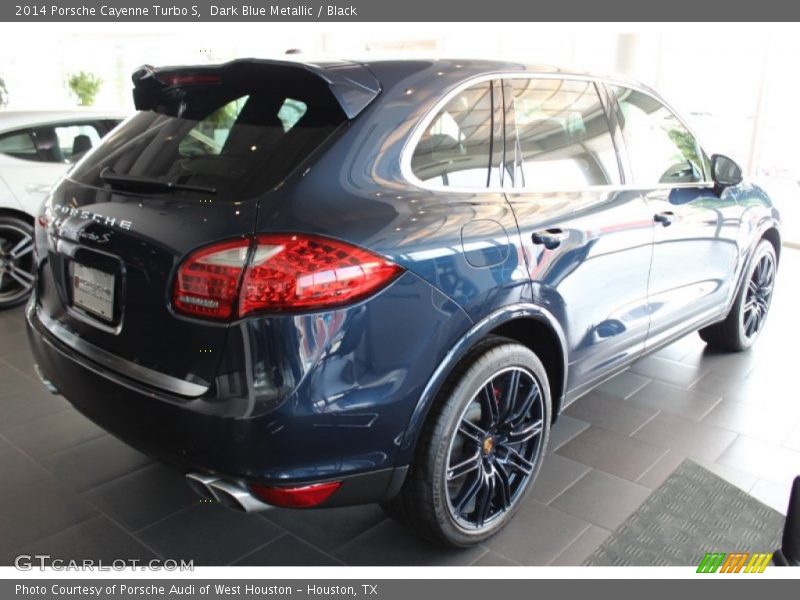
x: 695, y: 229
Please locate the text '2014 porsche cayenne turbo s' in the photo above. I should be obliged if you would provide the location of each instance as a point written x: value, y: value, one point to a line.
x: 330, y: 284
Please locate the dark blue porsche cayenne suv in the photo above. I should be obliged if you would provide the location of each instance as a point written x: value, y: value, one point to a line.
x: 328, y: 284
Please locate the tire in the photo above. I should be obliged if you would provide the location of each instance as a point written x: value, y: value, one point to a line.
x: 750, y: 309
x: 481, y: 447
x: 17, y: 265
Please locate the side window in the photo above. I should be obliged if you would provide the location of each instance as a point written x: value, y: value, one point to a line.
x: 563, y: 138
x: 661, y: 149
x: 76, y: 140
x: 456, y: 148
x: 18, y: 144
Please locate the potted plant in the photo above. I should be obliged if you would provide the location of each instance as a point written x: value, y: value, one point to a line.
x: 85, y: 86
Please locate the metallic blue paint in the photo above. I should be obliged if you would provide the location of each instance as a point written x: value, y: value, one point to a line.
x: 316, y: 396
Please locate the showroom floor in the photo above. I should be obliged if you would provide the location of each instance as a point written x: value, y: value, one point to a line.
x: 71, y: 491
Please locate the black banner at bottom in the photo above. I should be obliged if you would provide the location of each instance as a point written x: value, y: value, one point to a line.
x: 732, y: 587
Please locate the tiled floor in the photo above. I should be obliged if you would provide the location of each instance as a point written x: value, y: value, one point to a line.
x: 69, y: 490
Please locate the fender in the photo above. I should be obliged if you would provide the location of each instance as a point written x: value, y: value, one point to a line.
x: 764, y: 223
x: 457, y: 352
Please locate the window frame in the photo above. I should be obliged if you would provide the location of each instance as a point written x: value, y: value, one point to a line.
x: 610, y: 106
x: 706, y: 181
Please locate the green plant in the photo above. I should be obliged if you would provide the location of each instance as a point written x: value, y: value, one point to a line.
x: 85, y: 86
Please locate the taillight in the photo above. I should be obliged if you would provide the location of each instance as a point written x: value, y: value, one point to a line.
x: 208, y: 280
x: 296, y: 497
x: 303, y: 272
x: 285, y: 272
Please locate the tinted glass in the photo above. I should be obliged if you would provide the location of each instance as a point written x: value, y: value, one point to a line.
x: 661, y: 149
x: 240, y: 138
x: 563, y: 139
x: 18, y: 145
x: 456, y: 148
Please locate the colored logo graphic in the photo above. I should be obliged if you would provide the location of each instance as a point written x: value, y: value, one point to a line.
x: 736, y: 562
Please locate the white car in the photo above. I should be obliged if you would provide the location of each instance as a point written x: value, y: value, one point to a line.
x: 36, y: 148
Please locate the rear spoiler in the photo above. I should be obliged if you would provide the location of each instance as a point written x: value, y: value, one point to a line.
x: 352, y: 84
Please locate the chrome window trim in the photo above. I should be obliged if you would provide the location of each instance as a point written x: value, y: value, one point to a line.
x: 419, y: 129
x: 119, y: 365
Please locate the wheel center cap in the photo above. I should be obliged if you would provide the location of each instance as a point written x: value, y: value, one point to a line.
x: 488, y: 445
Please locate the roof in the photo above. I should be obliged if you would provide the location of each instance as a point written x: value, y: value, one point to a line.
x: 473, y: 66
x: 13, y: 119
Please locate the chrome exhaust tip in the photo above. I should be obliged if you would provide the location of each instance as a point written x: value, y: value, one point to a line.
x: 236, y: 497
x: 231, y: 495
x: 199, y: 483
x: 45, y: 381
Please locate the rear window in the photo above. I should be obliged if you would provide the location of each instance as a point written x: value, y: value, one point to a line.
x: 240, y: 135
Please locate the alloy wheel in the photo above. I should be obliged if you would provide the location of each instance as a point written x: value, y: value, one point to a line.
x: 16, y: 263
x: 495, y: 449
x: 759, y: 295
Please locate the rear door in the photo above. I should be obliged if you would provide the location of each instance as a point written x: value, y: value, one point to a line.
x: 587, y: 239
x: 695, y: 229
x: 460, y: 164
x: 116, y: 233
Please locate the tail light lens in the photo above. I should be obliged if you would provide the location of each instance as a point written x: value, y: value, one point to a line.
x: 208, y: 280
x: 284, y: 273
x: 299, y: 272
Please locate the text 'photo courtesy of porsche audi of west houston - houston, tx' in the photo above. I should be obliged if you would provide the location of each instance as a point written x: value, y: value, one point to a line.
x: 332, y: 284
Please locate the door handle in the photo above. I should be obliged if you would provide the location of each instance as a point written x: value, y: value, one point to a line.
x: 549, y: 238
x: 665, y: 218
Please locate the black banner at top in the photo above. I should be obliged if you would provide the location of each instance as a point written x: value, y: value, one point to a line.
x: 396, y: 10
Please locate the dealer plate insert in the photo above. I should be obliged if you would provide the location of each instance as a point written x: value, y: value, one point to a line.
x: 93, y: 291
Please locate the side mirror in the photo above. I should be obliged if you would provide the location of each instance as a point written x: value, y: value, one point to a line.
x: 724, y: 171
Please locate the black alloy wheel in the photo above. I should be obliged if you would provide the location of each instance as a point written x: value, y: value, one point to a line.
x: 493, y: 454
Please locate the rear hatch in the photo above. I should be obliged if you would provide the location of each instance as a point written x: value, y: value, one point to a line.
x: 186, y: 171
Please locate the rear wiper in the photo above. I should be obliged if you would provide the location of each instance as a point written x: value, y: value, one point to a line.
x: 140, y: 182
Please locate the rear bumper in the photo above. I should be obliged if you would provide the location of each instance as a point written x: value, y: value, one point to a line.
x: 190, y: 441
x: 321, y: 397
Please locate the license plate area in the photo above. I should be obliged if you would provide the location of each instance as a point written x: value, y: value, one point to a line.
x: 93, y: 291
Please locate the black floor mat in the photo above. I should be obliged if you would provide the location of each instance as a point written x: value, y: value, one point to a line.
x: 693, y: 512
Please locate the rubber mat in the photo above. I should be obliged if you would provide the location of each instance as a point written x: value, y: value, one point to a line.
x: 692, y: 513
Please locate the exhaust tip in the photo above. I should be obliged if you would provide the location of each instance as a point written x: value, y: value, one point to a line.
x: 199, y: 483
x: 45, y: 381
x: 236, y: 497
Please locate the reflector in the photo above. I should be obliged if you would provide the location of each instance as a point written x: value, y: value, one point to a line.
x: 296, y: 497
